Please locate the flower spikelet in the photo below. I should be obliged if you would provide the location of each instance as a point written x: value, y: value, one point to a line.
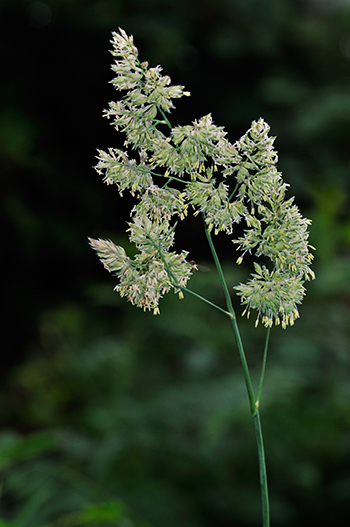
x: 124, y: 172
x: 197, y: 142
x: 275, y: 229
x: 275, y: 295
x: 155, y: 270
x: 112, y: 256
x: 160, y: 204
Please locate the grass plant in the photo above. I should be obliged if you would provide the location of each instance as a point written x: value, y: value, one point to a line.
x: 173, y: 171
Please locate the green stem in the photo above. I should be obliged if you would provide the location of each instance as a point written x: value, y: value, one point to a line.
x: 233, y: 192
x: 253, y: 404
x: 234, y: 324
x: 146, y: 170
x: 165, y: 117
x: 263, y: 366
x: 262, y: 470
x: 181, y: 287
x: 201, y: 298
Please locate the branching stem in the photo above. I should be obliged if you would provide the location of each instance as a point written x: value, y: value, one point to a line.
x: 176, y: 284
x: 254, y: 404
x: 263, y: 366
x: 165, y: 117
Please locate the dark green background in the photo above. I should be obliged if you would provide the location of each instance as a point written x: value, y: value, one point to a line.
x: 102, y: 403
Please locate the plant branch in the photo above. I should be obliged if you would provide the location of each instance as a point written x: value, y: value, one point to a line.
x: 234, y: 324
x: 253, y: 404
x: 204, y: 299
x: 164, y: 117
x: 181, y: 287
x: 263, y: 366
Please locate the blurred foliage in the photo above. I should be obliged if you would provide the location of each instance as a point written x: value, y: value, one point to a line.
x: 115, y: 417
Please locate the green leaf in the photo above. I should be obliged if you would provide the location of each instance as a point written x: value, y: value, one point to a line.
x: 14, y: 448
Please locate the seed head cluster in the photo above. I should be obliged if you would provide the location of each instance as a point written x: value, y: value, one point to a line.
x: 225, y: 183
